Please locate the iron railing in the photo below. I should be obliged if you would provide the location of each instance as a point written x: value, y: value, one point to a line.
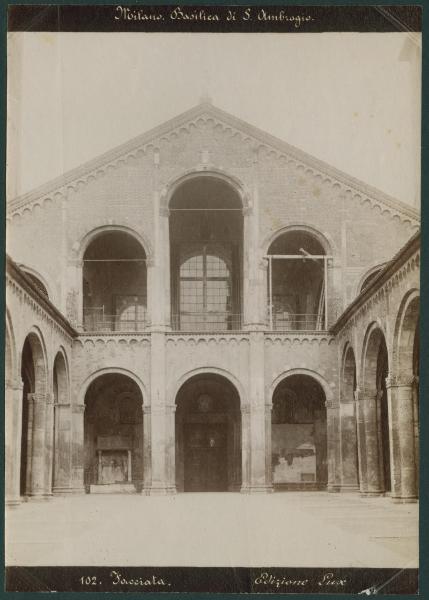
x: 210, y: 321
x: 288, y: 321
x: 95, y: 320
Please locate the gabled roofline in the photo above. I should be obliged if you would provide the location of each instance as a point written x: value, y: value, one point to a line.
x: 22, y: 278
x: 206, y: 107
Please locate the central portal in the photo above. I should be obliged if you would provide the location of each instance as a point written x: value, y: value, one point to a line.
x: 208, y: 436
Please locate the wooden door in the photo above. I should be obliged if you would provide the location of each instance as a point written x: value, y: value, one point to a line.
x: 205, y: 457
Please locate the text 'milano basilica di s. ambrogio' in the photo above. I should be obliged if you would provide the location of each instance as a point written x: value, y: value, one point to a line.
x: 207, y: 308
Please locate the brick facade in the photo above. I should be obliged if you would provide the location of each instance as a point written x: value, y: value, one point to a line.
x: 281, y: 189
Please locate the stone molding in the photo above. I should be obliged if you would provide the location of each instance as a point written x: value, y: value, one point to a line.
x: 395, y: 381
x: 25, y: 292
x: 202, y: 116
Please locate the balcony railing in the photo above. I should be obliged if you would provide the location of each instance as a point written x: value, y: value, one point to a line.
x: 213, y: 321
x: 287, y: 321
x: 94, y: 320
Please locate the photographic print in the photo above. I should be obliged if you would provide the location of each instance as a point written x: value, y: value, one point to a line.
x: 212, y: 289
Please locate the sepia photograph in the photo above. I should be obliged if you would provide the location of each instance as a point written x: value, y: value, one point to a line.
x: 212, y: 302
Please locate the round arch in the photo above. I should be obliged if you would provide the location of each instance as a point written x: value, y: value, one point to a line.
x: 348, y: 361
x: 174, y: 184
x: 208, y: 434
x: 299, y: 433
x: 111, y: 371
x: 329, y: 395
x: 61, y: 373
x: 114, y: 433
x: 375, y: 336
x: 40, y: 358
x: 10, y: 350
x: 406, y: 323
x: 324, y: 239
x: 175, y: 387
x: 81, y: 246
x: 376, y: 364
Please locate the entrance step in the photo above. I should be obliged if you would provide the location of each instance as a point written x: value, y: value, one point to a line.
x: 112, y: 488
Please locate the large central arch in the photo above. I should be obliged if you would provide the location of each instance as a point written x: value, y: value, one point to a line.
x: 208, y: 435
x: 206, y: 254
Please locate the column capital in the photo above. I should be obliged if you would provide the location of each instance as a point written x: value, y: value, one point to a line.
x: 247, y: 211
x: 396, y: 380
x: 164, y: 211
x: 245, y: 409
x: 78, y: 408
x: 38, y: 398
x: 150, y: 262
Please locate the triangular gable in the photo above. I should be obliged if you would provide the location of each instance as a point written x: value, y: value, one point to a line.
x: 59, y: 185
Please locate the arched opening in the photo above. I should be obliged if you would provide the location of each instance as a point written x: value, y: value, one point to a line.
x: 113, y: 434
x: 61, y: 434
x: 206, y: 239
x: 297, y: 280
x: 208, y: 435
x: 33, y: 434
x: 376, y: 370
x: 408, y: 368
x: 114, y: 283
x: 349, y: 432
x: 299, y: 434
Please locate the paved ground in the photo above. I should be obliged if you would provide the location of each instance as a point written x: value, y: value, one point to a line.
x: 314, y: 529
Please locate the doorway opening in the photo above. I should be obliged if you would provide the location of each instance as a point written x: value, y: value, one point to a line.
x: 299, y: 435
x: 113, y: 435
x: 208, y: 435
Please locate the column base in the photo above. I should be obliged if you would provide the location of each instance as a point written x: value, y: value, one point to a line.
x: 256, y: 489
x: 11, y: 502
x: 68, y: 491
x: 372, y: 494
x: 410, y: 500
x: 39, y: 497
x: 349, y: 489
x: 160, y: 490
x: 333, y: 489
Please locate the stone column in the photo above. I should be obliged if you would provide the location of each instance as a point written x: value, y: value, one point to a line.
x: 372, y: 444
x: 268, y: 446
x: 348, y: 436
x: 63, y: 450
x: 170, y: 447
x: 162, y: 431
x: 361, y: 445
x: 333, y: 443
x: 49, y: 444
x: 38, y: 446
x: 147, y: 451
x: 77, y: 453
x: 245, y: 448
x: 13, y: 433
x: 258, y: 434
x: 401, y: 409
x: 416, y: 429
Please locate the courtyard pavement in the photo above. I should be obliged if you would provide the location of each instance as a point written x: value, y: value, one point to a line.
x: 314, y: 529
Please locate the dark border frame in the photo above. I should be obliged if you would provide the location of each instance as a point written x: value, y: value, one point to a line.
x: 424, y: 416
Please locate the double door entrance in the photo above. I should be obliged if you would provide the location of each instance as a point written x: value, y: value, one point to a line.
x: 205, y: 457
